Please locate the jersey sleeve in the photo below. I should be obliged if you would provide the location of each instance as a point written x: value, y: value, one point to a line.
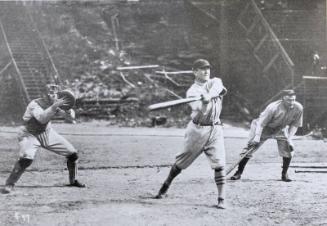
x: 216, y: 87
x: 266, y: 116
x: 196, y: 105
x: 298, y: 119
x: 43, y: 116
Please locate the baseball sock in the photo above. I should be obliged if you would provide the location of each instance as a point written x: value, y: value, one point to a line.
x: 18, y: 170
x: 286, y: 164
x: 220, y: 179
x: 174, y: 171
x: 72, y: 167
x: 242, y: 165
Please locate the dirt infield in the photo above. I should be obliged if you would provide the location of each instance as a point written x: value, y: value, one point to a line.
x: 124, y: 168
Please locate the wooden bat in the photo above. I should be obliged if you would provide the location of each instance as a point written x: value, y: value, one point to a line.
x: 230, y: 169
x: 171, y: 103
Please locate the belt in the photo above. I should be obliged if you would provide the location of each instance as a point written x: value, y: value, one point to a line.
x: 207, y: 124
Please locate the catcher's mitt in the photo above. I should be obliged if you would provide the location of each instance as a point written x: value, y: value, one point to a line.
x: 69, y: 97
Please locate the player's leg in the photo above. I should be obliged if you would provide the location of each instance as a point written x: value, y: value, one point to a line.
x: 194, y: 141
x: 220, y: 180
x: 245, y: 160
x: 59, y: 145
x: 28, y: 146
x: 215, y: 152
x: 174, y: 171
x: 286, y: 153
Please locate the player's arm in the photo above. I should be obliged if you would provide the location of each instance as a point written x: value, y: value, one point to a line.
x: 216, y: 88
x: 44, y: 116
x: 293, y: 127
x: 198, y: 105
x: 262, y: 121
x: 291, y: 132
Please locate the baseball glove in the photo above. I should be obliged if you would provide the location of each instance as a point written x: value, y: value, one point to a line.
x: 69, y: 97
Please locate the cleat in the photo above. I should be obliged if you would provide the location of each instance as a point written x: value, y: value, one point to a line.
x: 163, y: 190
x: 285, y: 178
x: 236, y: 176
x: 77, y: 184
x: 158, y: 196
x: 7, y: 189
x: 221, y: 203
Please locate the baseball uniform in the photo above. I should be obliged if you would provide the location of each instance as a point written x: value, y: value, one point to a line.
x: 204, y: 133
x: 280, y: 121
x: 36, y: 133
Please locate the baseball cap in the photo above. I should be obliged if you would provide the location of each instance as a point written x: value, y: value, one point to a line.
x: 201, y: 63
x: 288, y: 92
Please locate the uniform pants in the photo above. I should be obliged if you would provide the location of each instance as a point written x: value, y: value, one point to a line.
x: 198, y: 139
x: 267, y: 133
x: 50, y: 140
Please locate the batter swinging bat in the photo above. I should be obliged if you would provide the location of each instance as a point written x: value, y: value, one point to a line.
x: 171, y: 103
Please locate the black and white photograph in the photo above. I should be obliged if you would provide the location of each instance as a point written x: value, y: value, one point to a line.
x: 163, y: 112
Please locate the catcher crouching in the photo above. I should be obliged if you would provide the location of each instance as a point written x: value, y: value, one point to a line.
x: 37, y: 132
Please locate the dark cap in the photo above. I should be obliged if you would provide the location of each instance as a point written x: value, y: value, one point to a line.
x: 201, y: 63
x: 288, y: 92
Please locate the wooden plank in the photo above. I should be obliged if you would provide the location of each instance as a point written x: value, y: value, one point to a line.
x: 314, y: 78
x: 137, y: 67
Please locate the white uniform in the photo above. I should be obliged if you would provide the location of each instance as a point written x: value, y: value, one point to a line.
x: 204, y: 133
x: 274, y: 120
x: 34, y: 134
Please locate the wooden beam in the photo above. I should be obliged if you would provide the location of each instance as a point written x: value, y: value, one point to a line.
x: 137, y: 67
x: 5, y: 67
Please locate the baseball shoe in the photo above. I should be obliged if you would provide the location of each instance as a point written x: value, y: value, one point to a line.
x: 236, y: 176
x: 162, y: 191
x: 77, y: 184
x: 158, y: 196
x: 221, y: 203
x: 7, y: 189
x: 285, y: 178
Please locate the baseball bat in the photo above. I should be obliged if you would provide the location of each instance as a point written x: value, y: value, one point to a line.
x: 171, y: 103
x: 234, y: 165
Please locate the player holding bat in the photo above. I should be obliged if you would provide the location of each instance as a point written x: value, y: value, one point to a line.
x: 280, y: 120
x: 204, y: 133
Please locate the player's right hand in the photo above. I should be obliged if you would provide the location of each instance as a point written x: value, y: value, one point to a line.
x: 205, y: 98
x: 59, y: 102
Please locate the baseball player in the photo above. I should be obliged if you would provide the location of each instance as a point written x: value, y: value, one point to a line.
x: 204, y: 133
x: 37, y: 132
x: 280, y: 120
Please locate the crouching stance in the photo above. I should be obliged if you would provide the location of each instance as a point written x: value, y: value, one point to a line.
x: 204, y: 132
x: 37, y: 132
x: 280, y: 120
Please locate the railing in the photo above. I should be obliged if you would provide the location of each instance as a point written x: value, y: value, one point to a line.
x: 26, y: 97
x: 56, y: 77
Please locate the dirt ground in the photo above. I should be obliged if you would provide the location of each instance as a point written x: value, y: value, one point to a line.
x: 124, y: 167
